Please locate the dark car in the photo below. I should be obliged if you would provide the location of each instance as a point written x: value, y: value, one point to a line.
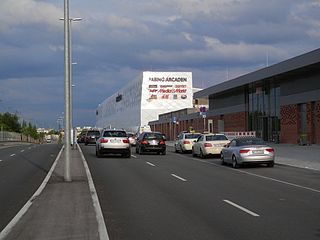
x: 82, y: 136
x: 151, y: 142
x: 91, y: 137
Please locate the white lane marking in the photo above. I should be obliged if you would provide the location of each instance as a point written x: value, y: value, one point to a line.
x: 242, y: 208
x: 256, y: 175
x: 151, y: 164
x: 12, y: 155
x: 180, y: 178
x: 28, y: 204
x: 1, y: 160
x: 102, y: 228
x: 22, y: 150
x: 29, y: 148
x: 133, y: 156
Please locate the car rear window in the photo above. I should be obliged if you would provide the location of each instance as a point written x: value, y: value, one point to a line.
x: 153, y: 136
x: 93, y: 133
x: 250, y: 141
x: 191, y: 136
x: 216, y: 138
x: 115, y: 134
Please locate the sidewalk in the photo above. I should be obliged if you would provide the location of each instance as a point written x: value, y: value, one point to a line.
x: 63, y: 210
x: 293, y: 155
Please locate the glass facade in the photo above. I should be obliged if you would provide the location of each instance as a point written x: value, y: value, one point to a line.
x: 264, y: 110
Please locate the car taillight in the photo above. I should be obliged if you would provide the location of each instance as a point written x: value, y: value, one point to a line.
x: 207, y: 145
x: 244, y: 151
x: 102, y: 140
x: 270, y: 150
x: 186, y: 142
x: 162, y: 142
x: 144, y: 142
x: 125, y: 140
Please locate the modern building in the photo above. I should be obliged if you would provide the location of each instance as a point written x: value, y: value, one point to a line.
x: 280, y: 103
x: 143, y: 99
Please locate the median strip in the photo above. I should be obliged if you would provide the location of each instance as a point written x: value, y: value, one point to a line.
x: 242, y: 208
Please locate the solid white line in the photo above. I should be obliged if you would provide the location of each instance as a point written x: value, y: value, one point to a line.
x: 180, y: 178
x: 102, y: 229
x: 151, y: 164
x: 12, y: 155
x: 242, y: 208
x: 28, y: 204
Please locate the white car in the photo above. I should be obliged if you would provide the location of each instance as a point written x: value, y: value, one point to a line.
x: 114, y: 142
x: 209, y: 144
x: 185, y: 141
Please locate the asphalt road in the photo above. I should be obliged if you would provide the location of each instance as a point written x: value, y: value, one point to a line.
x: 177, y: 196
x: 22, y: 170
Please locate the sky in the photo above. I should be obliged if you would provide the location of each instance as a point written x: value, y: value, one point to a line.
x: 217, y: 40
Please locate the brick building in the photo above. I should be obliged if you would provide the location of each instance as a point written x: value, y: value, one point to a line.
x: 280, y: 102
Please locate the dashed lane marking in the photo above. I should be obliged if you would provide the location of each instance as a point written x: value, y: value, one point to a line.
x: 242, y: 208
x: 180, y: 178
x: 151, y: 164
x: 12, y: 155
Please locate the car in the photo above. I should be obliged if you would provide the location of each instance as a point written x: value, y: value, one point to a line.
x: 132, y: 138
x: 151, y: 142
x: 185, y: 141
x: 91, y: 137
x: 247, y: 150
x: 113, y: 141
x: 209, y: 144
x: 82, y: 136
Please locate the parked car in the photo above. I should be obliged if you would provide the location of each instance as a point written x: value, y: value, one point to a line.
x: 113, y: 142
x: 247, y: 150
x: 151, y: 142
x: 91, y: 137
x: 132, y: 138
x: 209, y: 144
x: 185, y: 141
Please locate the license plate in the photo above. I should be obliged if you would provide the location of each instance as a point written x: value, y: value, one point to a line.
x: 257, y: 152
x: 154, y: 142
x: 114, y: 140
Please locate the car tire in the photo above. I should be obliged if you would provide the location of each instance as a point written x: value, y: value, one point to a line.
x: 201, y: 154
x: 164, y: 152
x: 271, y: 164
x: 222, y: 159
x: 98, y: 154
x: 137, y: 150
x: 175, y: 149
x: 140, y: 151
x: 234, y: 162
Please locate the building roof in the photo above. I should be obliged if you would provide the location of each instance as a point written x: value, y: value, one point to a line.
x: 292, y: 64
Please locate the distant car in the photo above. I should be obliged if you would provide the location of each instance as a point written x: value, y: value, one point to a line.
x: 91, y: 137
x: 209, y: 144
x: 113, y: 142
x: 151, y: 142
x: 185, y: 141
x: 132, y: 138
x: 247, y: 150
x: 82, y: 136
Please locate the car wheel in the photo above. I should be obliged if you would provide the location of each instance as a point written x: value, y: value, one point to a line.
x: 271, y: 164
x: 164, y: 152
x: 175, y: 148
x: 98, y: 154
x: 140, y: 151
x: 222, y: 159
x: 201, y: 154
x: 234, y: 162
x: 137, y: 150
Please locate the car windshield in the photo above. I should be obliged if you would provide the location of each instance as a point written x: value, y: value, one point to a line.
x: 153, y: 136
x: 192, y: 136
x: 250, y: 141
x: 216, y: 138
x: 115, y: 134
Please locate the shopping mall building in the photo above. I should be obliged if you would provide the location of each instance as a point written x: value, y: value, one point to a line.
x: 280, y: 103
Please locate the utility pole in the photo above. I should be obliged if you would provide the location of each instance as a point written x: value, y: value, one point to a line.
x: 67, y: 142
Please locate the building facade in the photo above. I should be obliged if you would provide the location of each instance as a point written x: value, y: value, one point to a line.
x: 281, y: 103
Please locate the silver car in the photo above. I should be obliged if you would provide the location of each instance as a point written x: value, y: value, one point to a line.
x: 114, y: 142
x: 247, y: 150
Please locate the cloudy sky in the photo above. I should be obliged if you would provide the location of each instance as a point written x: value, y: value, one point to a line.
x: 216, y: 40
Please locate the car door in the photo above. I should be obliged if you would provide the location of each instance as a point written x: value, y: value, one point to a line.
x: 228, y: 151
